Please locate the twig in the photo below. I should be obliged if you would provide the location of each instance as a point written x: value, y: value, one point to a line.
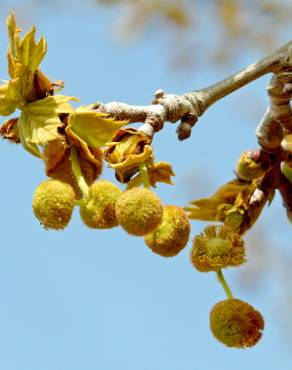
x: 188, y: 107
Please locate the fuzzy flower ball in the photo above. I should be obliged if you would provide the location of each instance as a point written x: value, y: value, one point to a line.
x: 139, y: 211
x: 172, y: 235
x: 98, y: 209
x: 53, y: 202
x: 236, y: 323
x: 217, y: 247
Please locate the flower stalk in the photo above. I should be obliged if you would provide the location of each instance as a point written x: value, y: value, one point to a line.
x: 224, y: 284
x: 78, y: 173
x: 144, y: 174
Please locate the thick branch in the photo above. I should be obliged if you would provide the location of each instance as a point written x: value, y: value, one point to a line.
x: 188, y: 107
x: 280, y: 60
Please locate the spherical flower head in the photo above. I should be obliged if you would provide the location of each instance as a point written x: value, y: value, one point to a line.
x: 98, y: 209
x: 248, y: 166
x: 53, y: 203
x: 217, y: 247
x: 236, y: 323
x: 173, y: 233
x: 139, y: 211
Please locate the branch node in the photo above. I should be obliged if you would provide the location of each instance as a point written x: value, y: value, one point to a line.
x: 156, y: 121
x: 158, y: 94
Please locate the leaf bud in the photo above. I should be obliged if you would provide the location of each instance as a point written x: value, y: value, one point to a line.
x: 217, y: 247
x: 172, y: 235
x: 53, y: 203
x: 248, y: 166
x: 98, y: 209
x: 236, y: 323
x: 139, y: 211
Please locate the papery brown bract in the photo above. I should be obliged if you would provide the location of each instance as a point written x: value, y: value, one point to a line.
x: 128, y: 149
x: 9, y: 130
x: 157, y: 172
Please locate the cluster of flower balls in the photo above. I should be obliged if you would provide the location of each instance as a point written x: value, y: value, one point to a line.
x: 166, y: 231
x: 139, y: 211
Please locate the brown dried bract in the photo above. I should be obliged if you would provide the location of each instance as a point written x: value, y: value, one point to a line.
x: 58, y: 163
x: 128, y: 149
x: 9, y: 131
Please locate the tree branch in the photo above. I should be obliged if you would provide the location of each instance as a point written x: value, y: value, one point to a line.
x: 188, y: 107
x: 277, y: 120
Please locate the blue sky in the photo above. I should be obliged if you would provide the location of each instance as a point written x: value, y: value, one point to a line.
x: 84, y: 299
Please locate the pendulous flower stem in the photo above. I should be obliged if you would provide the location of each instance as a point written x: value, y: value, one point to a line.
x: 144, y: 173
x: 78, y: 173
x: 224, y: 284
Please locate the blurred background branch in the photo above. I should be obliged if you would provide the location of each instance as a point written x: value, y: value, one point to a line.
x: 184, y: 26
x: 244, y: 26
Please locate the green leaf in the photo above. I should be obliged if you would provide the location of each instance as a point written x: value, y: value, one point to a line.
x: 229, y: 191
x: 24, y: 50
x: 13, y: 32
x: 39, y: 121
x: 10, y: 96
x: 204, y: 209
x: 25, y: 133
x: 95, y: 128
x: 43, y: 117
x: 38, y: 54
x: 31, y: 54
x: 214, y: 208
x: 157, y: 172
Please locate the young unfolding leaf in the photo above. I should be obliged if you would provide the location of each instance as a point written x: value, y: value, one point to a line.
x: 10, y: 96
x: 13, y: 33
x: 214, y: 207
x: 157, y: 172
x: 39, y: 121
x: 27, y: 84
x: 25, y: 135
x: 24, y: 51
x: 161, y: 172
x: 237, y: 204
x: 205, y: 209
x: 95, y: 128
